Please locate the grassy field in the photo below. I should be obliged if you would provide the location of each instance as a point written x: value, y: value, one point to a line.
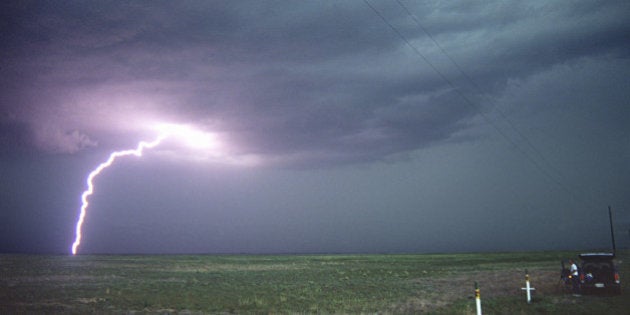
x: 436, y: 283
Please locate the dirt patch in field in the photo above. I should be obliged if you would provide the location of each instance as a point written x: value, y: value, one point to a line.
x: 90, y: 300
x: 436, y: 292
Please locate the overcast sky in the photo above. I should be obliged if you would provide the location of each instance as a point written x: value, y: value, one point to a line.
x: 354, y: 126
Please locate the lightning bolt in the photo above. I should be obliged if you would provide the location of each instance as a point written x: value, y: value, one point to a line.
x: 142, y: 145
x: 192, y: 137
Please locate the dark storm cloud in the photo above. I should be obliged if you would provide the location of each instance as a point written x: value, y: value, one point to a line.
x: 14, y: 136
x: 306, y: 83
x: 526, y: 153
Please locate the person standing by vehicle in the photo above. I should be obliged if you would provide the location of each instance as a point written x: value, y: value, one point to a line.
x: 574, y: 275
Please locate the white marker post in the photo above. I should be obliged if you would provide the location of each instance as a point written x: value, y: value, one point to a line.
x: 477, y: 299
x: 527, y: 288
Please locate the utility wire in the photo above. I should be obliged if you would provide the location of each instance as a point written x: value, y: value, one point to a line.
x: 480, y: 90
x: 470, y: 102
x: 558, y: 173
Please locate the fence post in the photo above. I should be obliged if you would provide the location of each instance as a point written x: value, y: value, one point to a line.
x: 478, y: 298
x: 528, y: 289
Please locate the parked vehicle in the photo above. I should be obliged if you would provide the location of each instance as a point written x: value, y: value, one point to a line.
x: 598, y: 273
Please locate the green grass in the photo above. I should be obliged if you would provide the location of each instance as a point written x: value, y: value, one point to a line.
x: 437, y: 283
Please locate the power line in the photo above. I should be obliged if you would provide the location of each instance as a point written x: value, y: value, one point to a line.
x: 479, y: 89
x: 470, y: 102
x: 494, y: 106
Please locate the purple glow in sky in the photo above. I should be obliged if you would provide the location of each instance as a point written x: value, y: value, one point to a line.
x: 328, y: 126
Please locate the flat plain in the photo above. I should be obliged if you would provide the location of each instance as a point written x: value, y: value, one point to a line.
x: 221, y: 284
